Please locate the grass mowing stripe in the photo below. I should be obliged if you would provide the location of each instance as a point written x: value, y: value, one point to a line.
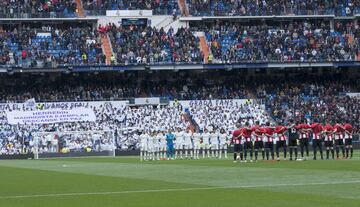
x: 172, y: 190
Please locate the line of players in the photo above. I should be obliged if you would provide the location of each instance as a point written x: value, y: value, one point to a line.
x: 264, y: 138
x: 180, y: 144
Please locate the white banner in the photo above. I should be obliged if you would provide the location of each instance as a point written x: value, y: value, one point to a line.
x: 128, y: 13
x: 146, y: 101
x: 213, y: 102
x: 50, y: 116
x: 356, y: 95
x: 63, y: 105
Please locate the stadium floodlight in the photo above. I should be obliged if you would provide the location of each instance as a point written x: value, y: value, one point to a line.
x: 74, y: 144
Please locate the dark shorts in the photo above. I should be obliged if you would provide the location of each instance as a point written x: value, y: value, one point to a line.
x: 329, y: 143
x: 293, y: 143
x: 304, y: 142
x: 339, y: 142
x: 237, y: 147
x: 248, y: 145
x: 259, y: 145
x: 348, y: 141
x: 281, y: 143
x: 269, y: 145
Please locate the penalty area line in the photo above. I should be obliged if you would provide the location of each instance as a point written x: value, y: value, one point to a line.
x: 173, y: 190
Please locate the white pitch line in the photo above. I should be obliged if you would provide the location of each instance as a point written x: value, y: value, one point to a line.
x: 171, y: 190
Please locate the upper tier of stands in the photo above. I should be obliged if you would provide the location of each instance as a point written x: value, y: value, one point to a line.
x: 273, y: 7
x: 37, y: 8
x: 68, y: 8
x: 49, y: 45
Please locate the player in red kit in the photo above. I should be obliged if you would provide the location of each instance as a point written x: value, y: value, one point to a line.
x: 236, y: 140
x: 257, y: 131
x: 281, y: 140
x: 339, y: 136
x: 348, y: 131
x: 317, y: 136
x: 269, y: 140
x: 248, y: 145
x: 329, y: 140
x: 304, y: 130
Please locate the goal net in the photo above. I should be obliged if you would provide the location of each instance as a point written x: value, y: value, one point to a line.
x: 74, y: 144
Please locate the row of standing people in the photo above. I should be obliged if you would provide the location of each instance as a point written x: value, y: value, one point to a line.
x: 264, y: 139
x: 181, y: 144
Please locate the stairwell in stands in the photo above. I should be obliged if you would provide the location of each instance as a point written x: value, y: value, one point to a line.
x: 204, y: 48
x: 183, y: 7
x: 79, y: 8
x: 106, y: 47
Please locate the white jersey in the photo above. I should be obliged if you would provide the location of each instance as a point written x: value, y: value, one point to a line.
x: 197, y: 138
x: 143, y: 142
x: 223, y: 138
x: 179, y: 137
x: 187, y: 138
x: 214, y: 138
x: 162, y: 139
x: 149, y: 141
x: 156, y: 141
x: 206, y: 137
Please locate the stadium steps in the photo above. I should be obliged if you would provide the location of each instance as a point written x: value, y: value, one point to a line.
x: 79, y: 8
x: 204, y: 48
x: 183, y: 8
x: 107, y: 49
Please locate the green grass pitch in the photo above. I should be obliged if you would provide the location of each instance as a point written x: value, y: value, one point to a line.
x: 125, y: 181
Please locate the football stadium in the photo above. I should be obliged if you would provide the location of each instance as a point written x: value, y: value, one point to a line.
x: 184, y: 103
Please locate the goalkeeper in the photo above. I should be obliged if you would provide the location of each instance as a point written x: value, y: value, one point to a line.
x: 170, y: 145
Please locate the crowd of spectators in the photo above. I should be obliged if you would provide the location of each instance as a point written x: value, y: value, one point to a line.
x: 181, y: 86
x: 324, y: 99
x: 37, y: 8
x: 314, y: 98
x: 148, y: 45
x: 30, y: 45
x: 296, y: 41
x: 273, y: 7
x: 159, y: 7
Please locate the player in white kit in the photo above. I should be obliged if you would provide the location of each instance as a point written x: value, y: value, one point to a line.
x: 156, y: 146
x: 197, y: 144
x: 214, y: 143
x: 178, y: 144
x: 143, y: 146
x: 162, y: 149
x: 150, y: 146
x: 187, y: 141
x: 223, y: 140
x: 206, y: 143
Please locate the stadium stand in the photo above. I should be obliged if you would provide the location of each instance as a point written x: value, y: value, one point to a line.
x: 272, y: 7
x: 159, y: 7
x: 298, y: 41
x: 29, y: 45
x: 147, y: 45
x: 218, y: 42
x: 37, y: 9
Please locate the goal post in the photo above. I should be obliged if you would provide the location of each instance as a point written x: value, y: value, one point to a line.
x: 74, y: 144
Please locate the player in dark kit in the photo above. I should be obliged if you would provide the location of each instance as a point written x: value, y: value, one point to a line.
x: 304, y: 130
x: 348, y: 131
x: 281, y: 142
x: 293, y: 138
x: 339, y: 143
x: 257, y: 131
x: 269, y: 137
x: 248, y: 145
x: 236, y: 140
x: 317, y: 133
x: 329, y: 140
